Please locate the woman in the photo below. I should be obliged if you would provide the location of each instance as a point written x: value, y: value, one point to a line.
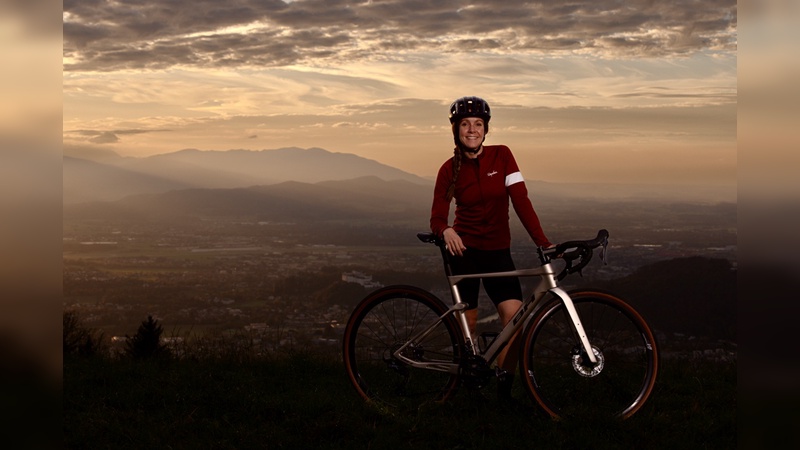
x: 482, y: 179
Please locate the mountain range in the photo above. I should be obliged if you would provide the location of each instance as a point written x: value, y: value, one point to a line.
x: 359, y: 199
x: 108, y: 177
x: 104, y: 176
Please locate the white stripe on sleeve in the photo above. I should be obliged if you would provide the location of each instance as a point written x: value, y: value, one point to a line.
x: 514, y: 178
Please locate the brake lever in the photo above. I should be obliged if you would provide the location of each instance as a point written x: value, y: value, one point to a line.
x: 604, y: 252
x: 569, y: 257
x: 566, y: 270
x: 604, y: 249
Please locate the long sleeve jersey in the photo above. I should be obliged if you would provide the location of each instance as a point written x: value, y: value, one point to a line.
x: 482, y: 192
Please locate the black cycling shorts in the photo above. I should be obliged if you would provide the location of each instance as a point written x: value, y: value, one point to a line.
x: 499, y: 289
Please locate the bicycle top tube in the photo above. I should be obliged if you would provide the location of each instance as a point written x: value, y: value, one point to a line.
x: 535, y: 272
x: 569, y: 251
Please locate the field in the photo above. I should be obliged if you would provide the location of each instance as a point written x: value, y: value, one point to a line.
x: 302, y: 400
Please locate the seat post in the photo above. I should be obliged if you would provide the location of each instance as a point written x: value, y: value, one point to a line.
x: 431, y: 238
x: 446, y: 259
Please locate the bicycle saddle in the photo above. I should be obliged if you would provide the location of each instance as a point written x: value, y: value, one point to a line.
x: 430, y: 238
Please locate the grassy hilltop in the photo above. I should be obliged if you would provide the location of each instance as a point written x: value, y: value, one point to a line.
x: 302, y: 400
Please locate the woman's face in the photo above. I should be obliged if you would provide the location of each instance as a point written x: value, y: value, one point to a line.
x: 471, y: 132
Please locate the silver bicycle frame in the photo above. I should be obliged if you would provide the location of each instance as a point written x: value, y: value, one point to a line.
x: 547, y: 284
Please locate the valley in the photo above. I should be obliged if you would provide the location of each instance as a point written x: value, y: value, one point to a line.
x: 281, y: 281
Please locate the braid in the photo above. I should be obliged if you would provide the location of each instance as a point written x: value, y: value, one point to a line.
x: 456, y: 168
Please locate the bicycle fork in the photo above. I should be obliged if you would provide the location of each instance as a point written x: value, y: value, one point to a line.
x: 576, y: 322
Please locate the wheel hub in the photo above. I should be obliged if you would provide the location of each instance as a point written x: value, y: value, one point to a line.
x: 584, y: 367
x: 393, y: 363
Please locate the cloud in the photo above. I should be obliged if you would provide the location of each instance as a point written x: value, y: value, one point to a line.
x: 568, y: 81
x: 105, y: 137
x: 104, y: 35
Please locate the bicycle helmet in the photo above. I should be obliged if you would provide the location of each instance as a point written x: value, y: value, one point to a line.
x: 470, y: 107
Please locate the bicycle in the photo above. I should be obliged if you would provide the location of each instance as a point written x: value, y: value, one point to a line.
x: 582, y: 352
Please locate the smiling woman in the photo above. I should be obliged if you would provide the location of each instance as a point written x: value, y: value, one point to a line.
x: 482, y: 179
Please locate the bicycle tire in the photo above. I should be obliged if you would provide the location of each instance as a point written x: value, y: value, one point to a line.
x: 551, y: 365
x: 379, y: 325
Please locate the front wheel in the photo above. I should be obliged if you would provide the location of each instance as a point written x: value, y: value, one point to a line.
x: 558, y: 374
x: 380, y: 325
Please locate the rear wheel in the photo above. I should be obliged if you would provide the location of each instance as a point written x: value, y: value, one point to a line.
x: 381, y: 324
x: 558, y: 374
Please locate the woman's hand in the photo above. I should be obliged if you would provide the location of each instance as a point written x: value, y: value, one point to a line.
x: 453, y: 241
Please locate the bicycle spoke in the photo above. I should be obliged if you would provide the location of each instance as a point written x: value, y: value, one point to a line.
x: 382, y: 324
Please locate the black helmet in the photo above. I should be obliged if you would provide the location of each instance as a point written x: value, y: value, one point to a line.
x: 470, y: 107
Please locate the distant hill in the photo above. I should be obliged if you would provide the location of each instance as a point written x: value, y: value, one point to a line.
x: 94, y: 175
x: 365, y: 198
x: 695, y: 296
x: 108, y: 177
x: 87, y: 181
x: 355, y: 201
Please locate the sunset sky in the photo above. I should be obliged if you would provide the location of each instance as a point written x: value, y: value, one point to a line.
x: 592, y: 90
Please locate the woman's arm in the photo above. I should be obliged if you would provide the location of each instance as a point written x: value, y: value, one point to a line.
x: 440, y: 209
x: 518, y: 192
x: 527, y: 215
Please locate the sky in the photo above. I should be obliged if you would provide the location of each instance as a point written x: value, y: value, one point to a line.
x: 582, y: 91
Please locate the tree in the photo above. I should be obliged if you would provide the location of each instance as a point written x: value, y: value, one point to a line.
x: 78, y: 339
x: 146, y: 343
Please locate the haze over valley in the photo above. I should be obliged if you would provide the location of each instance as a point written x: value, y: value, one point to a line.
x: 285, y: 242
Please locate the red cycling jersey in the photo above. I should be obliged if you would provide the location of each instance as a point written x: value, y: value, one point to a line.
x: 482, y: 191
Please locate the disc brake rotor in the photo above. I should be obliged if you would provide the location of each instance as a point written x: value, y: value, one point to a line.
x: 588, y: 369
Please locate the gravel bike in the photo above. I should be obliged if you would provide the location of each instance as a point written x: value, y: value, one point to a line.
x: 582, y: 352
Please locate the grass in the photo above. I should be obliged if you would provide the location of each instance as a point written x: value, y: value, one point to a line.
x: 303, y: 400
